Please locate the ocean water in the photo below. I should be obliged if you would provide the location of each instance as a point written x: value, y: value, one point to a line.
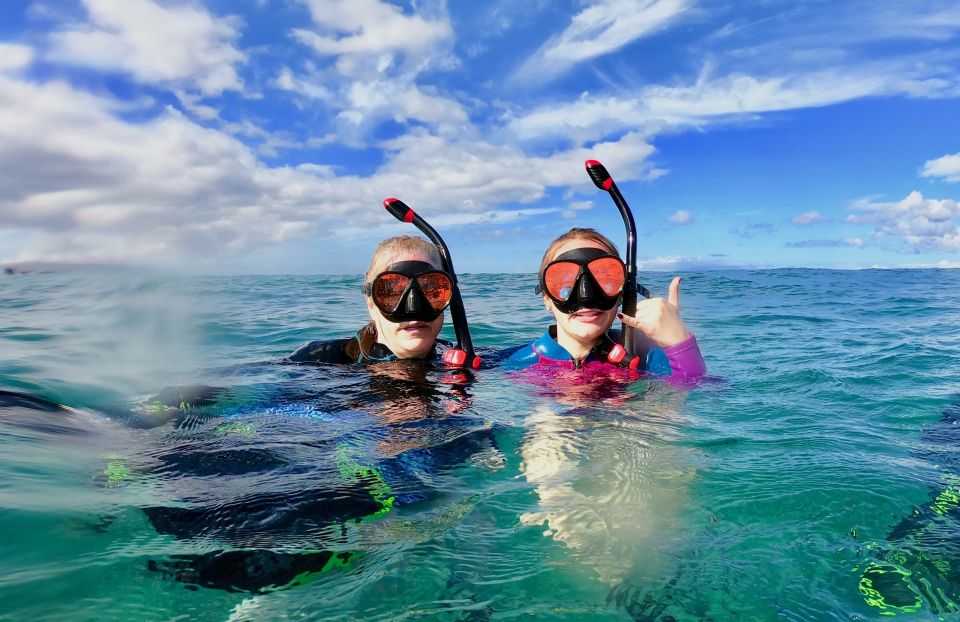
x: 812, y: 476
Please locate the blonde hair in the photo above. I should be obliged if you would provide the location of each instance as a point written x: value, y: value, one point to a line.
x: 577, y: 233
x: 398, y: 245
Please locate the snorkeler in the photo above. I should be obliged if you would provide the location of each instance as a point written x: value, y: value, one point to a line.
x: 408, y: 285
x: 407, y: 292
x: 582, y: 279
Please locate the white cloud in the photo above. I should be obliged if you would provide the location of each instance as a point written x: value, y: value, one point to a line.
x: 370, y: 28
x: 575, y: 207
x: 401, y: 102
x: 379, y: 54
x: 166, y: 45
x: 809, y: 218
x: 726, y: 98
x: 14, y: 57
x: 603, y: 27
x: 919, y: 223
x: 87, y: 185
x: 831, y: 243
x: 681, y: 217
x: 947, y: 167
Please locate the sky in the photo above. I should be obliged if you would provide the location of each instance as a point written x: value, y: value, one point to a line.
x: 261, y: 137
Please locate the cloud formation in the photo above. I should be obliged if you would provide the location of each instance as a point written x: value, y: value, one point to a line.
x: 603, y: 27
x: 181, y: 45
x: 84, y: 184
x: 809, y: 218
x: 918, y: 223
x: 752, y: 230
x: 724, y: 98
x: 156, y: 129
x: 947, y: 167
x: 841, y: 243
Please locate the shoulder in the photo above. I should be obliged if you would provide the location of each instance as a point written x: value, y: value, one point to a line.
x: 546, y: 347
x: 343, y: 351
x: 520, y: 357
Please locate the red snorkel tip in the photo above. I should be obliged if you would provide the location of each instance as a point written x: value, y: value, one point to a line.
x: 399, y: 209
x: 598, y: 173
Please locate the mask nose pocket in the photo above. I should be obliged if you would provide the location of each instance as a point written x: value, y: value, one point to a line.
x: 586, y: 288
x: 414, y: 302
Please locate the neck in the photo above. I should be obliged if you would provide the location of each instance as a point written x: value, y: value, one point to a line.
x: 578, y: 348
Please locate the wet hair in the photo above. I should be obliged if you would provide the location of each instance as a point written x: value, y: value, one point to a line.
x: 577, y: 233
x: 398, y: 245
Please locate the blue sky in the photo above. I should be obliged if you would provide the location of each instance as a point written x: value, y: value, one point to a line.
x: 260, y: 137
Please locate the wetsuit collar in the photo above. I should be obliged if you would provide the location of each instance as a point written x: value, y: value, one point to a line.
x: 548, y: 347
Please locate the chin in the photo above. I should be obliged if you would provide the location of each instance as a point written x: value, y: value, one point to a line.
x: 419, y: 347
x: 588, y: 332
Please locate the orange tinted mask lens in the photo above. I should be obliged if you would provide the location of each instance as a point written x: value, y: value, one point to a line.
x: 609, y: 274
x: 388, y: 290
x: 437, y: 288
x: 560, y: 277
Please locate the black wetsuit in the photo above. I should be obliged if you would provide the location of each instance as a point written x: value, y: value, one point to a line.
x: 357, y: 497
x: 361, y: 348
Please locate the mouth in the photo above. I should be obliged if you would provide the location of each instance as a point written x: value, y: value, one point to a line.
x: 587, y: 315
x: 414, y: 327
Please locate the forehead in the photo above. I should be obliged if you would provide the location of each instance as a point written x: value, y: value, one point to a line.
x: 570, y: 245
x: 392, y: 258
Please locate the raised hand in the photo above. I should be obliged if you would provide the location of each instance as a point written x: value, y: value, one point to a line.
x: 659, y: 319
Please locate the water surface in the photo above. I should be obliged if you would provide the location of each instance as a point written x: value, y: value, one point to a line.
x: 817, y: 453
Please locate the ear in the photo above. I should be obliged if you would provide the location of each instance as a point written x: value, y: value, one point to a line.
x: 371, y: 308
x: 549, y: 305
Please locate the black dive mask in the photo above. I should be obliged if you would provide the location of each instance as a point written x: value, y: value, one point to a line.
x: 411, y: 291
x: 583, y: 278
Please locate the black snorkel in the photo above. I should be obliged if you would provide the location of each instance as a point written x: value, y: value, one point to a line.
x: 463, y: 355
x: 598, y: 173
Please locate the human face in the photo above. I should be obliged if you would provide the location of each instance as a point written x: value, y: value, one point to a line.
x: 411, y: 339
x: 579, y: 331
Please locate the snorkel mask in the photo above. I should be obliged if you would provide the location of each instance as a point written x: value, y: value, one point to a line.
x: 583, y: 278
x: 411, y: 291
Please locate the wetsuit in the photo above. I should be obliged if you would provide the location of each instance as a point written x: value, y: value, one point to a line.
x: 361, y: 348
x: 681, y: 360
x: 411, y: 406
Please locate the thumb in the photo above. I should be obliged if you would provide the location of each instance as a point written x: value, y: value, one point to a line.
x: 673, y: 295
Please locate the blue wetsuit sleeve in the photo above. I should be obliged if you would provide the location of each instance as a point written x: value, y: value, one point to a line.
x: 658, y: 362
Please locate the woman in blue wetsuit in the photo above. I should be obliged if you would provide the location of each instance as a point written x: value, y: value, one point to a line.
x: 407, y: 291
x: 581, y: 280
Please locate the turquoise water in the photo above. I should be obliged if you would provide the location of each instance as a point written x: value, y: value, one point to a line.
x: 817, y: 453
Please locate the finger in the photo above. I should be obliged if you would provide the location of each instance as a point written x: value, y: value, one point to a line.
x: 673, y: 296
x: 629, y: 321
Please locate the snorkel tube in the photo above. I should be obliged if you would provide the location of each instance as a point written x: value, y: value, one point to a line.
x: 598, y: 173
x: 463, y: 355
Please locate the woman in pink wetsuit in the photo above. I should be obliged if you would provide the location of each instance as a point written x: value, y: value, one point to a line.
x: 581, y: 280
